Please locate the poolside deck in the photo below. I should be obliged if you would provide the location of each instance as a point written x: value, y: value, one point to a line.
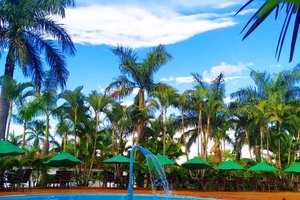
x: 247, y: 195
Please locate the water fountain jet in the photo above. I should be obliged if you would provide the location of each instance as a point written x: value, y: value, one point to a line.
x: 157, y: 174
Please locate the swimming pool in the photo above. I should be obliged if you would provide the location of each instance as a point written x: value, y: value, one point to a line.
x: 98, y: 197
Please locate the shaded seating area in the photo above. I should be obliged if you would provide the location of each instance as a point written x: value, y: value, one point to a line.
x: 253, y: 184
x: 61, y: 179
x: 240, y: 185
x: 271, y: 183
x: 18, y: 179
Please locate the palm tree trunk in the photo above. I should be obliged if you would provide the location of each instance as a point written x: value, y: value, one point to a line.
x: 183, y: 135
x: 141, y: 125
x: 113, y: 136
x: 268, y: 145
x: 261, y: 143
x: 24, y: 135
x: 46, y: 142
x: 279, y: 155
x: 4, y: 104
x: 164, y: 130
x: 9, y: 121
x: 248, y: 142
x: 65, y: 140
x: 200, y: 131
x: 208, y: 136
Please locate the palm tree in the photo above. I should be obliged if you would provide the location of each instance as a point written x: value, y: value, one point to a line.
x: 46, y: 102
x: 24, y: 31
x: 180, y: 102
x: 213, y: 106
x: 269, y: 90
x: 288, y: 7
x: 166, y: 98
x: 98, y: 104
x: 75, y: 108
x: 15, y: 92
x: 25, y: 115
x: 35, y: 132
x: 198, y: 99
x: 138, y: 74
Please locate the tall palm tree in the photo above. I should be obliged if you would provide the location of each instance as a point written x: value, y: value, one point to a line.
x: 288, y: 7
x: 166, y: 98
x: 138, y: 74
x: 213, y: 106
x: 46, y: 102
x: 269, y: 90
x: 25, y: 28
x: 98, y: 104
x: 64, y: 127
x: 180, y: 103
x: 75, y: 108
x: 15, y: 92
x: 25, y: 115
x: 197, y: 101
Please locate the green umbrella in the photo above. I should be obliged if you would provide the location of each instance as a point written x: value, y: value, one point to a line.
x: 163, y: 160
x: 63, y: 159
x: 262, y: 166
x: 118, y: 160
x: 195, y: 163
x: 229, y: 165
x: 7, y: 148
x: 293, y: 168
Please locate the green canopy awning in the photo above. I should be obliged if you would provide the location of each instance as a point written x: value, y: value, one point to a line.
x: 293, y: 168
x: 163, y: 160
x: 7, y: 148
x: 262, y: 166
x: 118, y: 160
x: 229, y: 165
x: 195, y: 163
x: 63, y: 159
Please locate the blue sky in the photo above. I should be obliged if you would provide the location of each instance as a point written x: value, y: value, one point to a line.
x: 202, y: 36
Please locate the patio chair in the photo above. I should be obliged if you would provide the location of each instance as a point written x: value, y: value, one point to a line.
x: 240, y: 183
x: 53, y: 180
x: 253, y: 183
x: 109, y: 179
x: 271, y: 182
x: 20, y: 178
x: 65, y: 178
x: 205, y: 183
x: 172, y: 179
x: 221, y: 182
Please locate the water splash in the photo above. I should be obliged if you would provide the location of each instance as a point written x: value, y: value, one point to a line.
x: 157, y: 173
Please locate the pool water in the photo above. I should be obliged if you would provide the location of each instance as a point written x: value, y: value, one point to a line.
x: 98, y: 197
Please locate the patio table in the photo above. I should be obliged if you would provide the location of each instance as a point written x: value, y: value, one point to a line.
x: 230, y: 182
x: 262, y: 184
x: 296, y: 186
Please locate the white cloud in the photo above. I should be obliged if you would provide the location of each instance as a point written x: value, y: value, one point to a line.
x: 137, y: 26
x: 227, y: 4
x: 178, y: 4
x: 227, y: 70
x: 184, y: 79
x: 179, y: 79
x: 167, y: 79
x: 208, y: 76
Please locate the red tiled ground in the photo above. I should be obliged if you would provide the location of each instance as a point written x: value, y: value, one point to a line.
x: 213, y: 194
